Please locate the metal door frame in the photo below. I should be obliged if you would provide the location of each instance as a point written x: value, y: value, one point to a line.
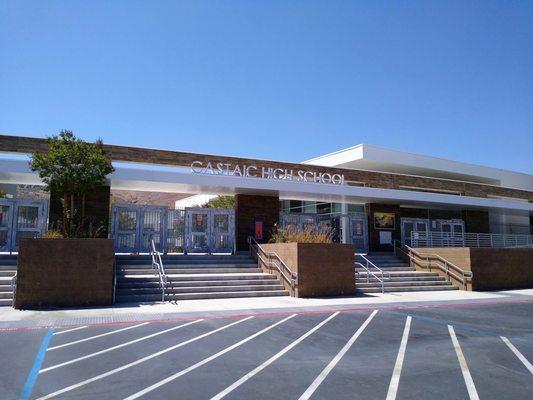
x: 12, y: 227
x: 406, y: 239
x: 210, y: 230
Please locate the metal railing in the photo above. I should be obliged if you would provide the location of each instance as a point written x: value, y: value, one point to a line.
x: 370, y: 264
x: 368, y: 273
x: 157, y: 264
x: 271, y: 261
x: 446, y: 239
x: 430, y: 260
x: 14, y: 286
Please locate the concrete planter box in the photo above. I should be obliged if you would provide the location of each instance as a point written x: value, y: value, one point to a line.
x: 64, y: 273
x: 324, y: 269
x: 493, y: 269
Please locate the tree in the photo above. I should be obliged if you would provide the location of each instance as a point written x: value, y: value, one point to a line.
x: 221, y: 202
x: 3, y: 193
x: 73, y: 168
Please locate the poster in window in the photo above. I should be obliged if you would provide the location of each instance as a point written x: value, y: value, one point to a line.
x: 383, y: 220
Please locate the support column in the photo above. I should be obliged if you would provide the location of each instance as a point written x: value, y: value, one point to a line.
x: 255, y: 216
x: 345, y: 223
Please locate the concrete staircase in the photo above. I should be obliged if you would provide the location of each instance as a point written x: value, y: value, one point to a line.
x: 194, y: 277
x: 8, y: 268
x: 402, y: 277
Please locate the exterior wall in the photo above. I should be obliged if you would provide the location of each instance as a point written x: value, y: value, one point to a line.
x: 323, y: 269
x: 97, y: 204
x: 476, y: 221
x: 27, y: 145
x: 248, y: 209
x: 80, y: 273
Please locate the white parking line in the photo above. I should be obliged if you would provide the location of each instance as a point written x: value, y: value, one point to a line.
x: 472, y: 392
x: 204, y: 361
x: 325, y: 372
x: 117, y: 347
x: 255, y: 371
x: 139, y: 361
x: 518, y: 354
x: 70, y: 330
x: 96, y: 336
x: 395, y: 379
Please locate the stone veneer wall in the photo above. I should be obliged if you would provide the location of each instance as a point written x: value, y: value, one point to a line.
x: 19, y: 144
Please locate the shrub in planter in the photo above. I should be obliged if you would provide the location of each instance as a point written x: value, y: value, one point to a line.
x: 309, y: 234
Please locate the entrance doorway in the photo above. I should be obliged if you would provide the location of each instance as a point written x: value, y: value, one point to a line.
x: 415, y: 228
x: 20, y: 219
x: 174, y: 231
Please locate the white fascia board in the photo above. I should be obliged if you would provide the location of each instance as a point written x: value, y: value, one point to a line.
x: 374, y: 158
x: 180, y: 182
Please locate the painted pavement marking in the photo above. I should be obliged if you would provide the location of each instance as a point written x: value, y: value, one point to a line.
x: 70, y: 330
x: 139, y: 361
x: 204, y: 361
x: 39, y: 358
x: 255, y: 371
x: 97, y: 336
x: 117, y: 346
x: 395, y: 379
x: 518, y: 354
x: 325, y: 372
x: 472, y: 392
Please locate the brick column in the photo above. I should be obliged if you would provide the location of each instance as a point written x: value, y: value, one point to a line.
x: 251, y: 208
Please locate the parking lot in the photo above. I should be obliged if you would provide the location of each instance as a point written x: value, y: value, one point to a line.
x: 416, y: 353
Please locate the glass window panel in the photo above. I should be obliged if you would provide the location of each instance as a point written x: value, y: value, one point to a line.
x: 3, y: 238
x: 199, y: 222
x: 221, y: 222
x: 127, y: 220
x: 4, y: 215
x: 27, y: 217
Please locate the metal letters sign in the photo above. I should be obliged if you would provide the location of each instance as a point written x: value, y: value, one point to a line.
x: 252, y: 171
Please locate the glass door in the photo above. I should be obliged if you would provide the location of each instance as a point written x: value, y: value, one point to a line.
x: 415, y: 232
x: 6, y: 218
x: 151, y: 228
x: 126, y: 223
x: 197, y: 228
x: 358, y: 233
x: 28, y: 221
x: 222, y: 231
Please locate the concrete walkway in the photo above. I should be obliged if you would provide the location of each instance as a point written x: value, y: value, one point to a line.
x: 130, y: 312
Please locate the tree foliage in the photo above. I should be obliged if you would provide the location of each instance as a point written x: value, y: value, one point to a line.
x: 73, y: 168
x: 221, y: 202
x: 3, y: 193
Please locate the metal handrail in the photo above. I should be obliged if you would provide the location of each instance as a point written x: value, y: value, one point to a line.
x: 368, y: 262
x: 443, y: 264
x: 469, y: 239
x: 266, y: 258
x: 374, y: 275
x: 14, y: 286
x: 157, y: 264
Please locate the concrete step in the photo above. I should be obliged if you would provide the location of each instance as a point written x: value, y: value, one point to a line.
x: 8, y: 267
x: 201, y: 289
x: 7, y: 273
x: 408, y: 289
x: 178, y: 260
x: 218, y: 270
x: 6, y: 302
x: 195, y: 277
x: 6, y: 295
x: 403, y: 279
x: 198, y: 296
x: 361, y: 285
x: 187, y: 266
x: 177, y: 284
x: 386, y: 269
x: 397, y: 274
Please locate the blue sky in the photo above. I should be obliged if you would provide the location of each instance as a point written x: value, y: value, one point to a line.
x: 284, y: 80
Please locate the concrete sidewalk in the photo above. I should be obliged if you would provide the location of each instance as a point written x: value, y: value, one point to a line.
x: 129, y: 312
